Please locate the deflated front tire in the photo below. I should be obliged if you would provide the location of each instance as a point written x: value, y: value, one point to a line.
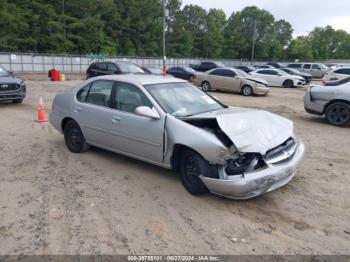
x: 192, y: 167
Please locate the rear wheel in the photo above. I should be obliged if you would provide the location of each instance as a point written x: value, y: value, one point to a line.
x: 206, y: 86
x: 338, y: 114
x: 288, y: 84
x: 247, y: 90
x: 74, y: 138
x: 192, y: 167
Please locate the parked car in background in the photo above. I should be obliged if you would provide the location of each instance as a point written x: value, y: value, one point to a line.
x: 12, y: 88
x: 112, y: 68
x: 232, y: 80
x: 279, y: 78
x: 337, y: 74
x: 317, y: 70
x: 333, y: 101
x: 152, y: 70
x: 206, y: 66
x: 292, y: 71
x: 246, y: 69
x: 182, y: 72
x: 276, y: 65
x: 336, y: 82
x: 266, y: 66
x: 234, y: 152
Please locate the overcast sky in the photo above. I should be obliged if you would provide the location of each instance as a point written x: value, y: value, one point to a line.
x: 304, y: 15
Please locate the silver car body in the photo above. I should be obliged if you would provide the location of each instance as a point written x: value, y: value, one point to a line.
x: 232, y: 83
x: 155, y: 140
x: 337, y: 74
x: 318, y: 97
x: 317, y: 70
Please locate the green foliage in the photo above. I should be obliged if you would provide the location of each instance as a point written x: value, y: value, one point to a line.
x: 134, y: 27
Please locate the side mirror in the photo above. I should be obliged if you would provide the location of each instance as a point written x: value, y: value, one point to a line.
x: 147, y: 112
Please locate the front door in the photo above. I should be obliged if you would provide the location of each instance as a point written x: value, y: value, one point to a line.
x: 135, y: 135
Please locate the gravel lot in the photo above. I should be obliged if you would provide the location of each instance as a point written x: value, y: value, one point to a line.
x: 55, y: 202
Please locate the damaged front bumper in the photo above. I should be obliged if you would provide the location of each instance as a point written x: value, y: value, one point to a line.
x: 253, y: 184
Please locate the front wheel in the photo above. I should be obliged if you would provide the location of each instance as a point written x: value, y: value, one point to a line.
x: 338, y: 114
x: 74, y: 138
x: 206, y: 86
x: 288, y: 84
x: 192, y: 167
x: 247, y: 90
x: 18, y: 101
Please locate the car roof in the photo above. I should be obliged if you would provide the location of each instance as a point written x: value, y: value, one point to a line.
x: 142, y: 79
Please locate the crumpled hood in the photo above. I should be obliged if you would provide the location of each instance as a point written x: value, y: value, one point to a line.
x: 251, y: 130
x: 256, y: 79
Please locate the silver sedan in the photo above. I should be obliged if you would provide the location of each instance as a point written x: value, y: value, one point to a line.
x: 331, y: 100
x: 229, y: 151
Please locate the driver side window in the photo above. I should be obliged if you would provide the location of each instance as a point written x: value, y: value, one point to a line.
x: 129, y: 97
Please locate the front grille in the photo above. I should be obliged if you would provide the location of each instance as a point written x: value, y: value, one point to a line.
x: 9, y: 87
x: 281, y: 153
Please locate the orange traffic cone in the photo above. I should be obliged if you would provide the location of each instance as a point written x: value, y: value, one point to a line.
x: 41, y: 117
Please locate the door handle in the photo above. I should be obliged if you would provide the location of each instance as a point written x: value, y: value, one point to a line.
x: 77, y: 109
x: 116, y: 119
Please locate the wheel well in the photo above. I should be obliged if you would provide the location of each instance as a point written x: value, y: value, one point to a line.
x: 333, y: 102
x: 65, y: 121
x: 290, y: 80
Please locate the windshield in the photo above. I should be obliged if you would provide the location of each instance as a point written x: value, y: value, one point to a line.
x: 182, y: 99
x: 241, y: 73
x: 129, y: 68
x: 3, y: 71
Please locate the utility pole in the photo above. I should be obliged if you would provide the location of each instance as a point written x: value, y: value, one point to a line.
x: 253, y: 47
x: 64, y: 19
x: 164, y: 35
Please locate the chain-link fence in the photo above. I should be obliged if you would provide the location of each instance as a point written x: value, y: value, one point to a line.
x: 42, y: 63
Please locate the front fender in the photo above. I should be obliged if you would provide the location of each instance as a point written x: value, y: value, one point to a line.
x: 202, y: 141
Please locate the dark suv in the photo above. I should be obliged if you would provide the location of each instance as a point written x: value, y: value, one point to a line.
x: 12, y: 88
x: 112, y: 68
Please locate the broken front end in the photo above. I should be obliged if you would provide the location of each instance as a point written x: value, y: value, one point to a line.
x: 253, y: 151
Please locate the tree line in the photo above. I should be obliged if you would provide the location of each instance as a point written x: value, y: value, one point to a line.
x: 134, y: 28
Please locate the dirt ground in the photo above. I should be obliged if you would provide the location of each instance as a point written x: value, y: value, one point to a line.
x: 55, y: 202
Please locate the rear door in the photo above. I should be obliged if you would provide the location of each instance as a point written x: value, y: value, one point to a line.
x: 317, y: 70
x: 135, y: 135
x: 93, y: 111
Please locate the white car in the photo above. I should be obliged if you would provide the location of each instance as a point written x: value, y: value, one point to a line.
x: 338, y: 73
x: 279, y: 78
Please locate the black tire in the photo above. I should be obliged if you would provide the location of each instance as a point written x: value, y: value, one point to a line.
x: 193, y: 166
x: 17, y: 101
x: 247, y: 90
x: 206, y: 86
x: 288, y: 84
x: 338, y: 114
x: 74, y: 138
